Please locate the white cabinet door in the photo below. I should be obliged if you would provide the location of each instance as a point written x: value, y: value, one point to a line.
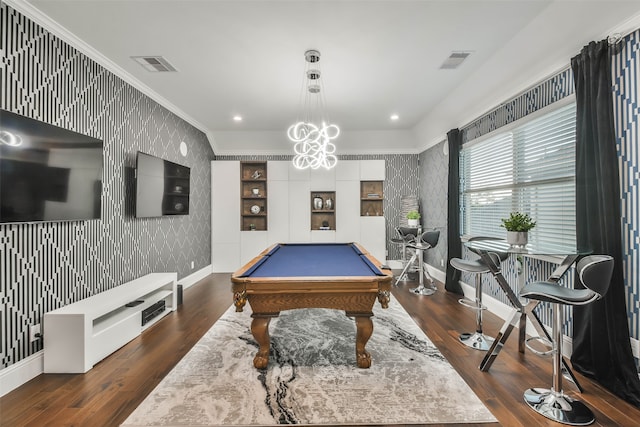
x: 225, y: 216
x: 296, y: 174
x: 278, y: 225
x: 373, y: 236
x: 348, y: 170
x: 225, y: 204
x: 323, y: 180
x: 372, y: 170
x: 299, y: 211
x: 323, y: 236
x: 278, y: 170
x: 348, y: 211
x: 251, y: 244
x: 225, y: 257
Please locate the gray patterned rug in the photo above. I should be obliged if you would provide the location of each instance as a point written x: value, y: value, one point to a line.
x: 312, y: 376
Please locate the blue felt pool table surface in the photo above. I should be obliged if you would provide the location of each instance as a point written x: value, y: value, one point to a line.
x: 313, y: 259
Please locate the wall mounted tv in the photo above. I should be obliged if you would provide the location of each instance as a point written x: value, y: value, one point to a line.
x: 162, y: 187
x: 47, y: 173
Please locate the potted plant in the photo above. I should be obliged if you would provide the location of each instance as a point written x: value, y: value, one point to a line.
x: 518, y: 225
x: 413, y: 218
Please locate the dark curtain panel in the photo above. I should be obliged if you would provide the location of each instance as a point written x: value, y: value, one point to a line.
x: 454, y: 247
x: 601, y: 347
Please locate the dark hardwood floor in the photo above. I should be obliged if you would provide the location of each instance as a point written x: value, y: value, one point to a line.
x: 109, y: 392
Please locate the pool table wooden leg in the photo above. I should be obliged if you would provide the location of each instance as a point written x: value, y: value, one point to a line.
x: 364, y: 329
x: 260, y: 331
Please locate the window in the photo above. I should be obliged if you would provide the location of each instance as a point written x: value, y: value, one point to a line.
x: 530, y: 168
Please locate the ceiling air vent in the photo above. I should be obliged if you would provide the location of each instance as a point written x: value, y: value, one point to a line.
x: 454, y: 60
x: 155, y: 64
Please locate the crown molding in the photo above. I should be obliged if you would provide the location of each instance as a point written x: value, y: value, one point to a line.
x: 40, y: 18
x: 338, y: 153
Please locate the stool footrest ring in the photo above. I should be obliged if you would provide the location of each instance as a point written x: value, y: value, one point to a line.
x: 472, y: 304
x: 542, y: 340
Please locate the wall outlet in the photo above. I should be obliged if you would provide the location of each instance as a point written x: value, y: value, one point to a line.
x: 441, y: 262
x: 192, y: 265
x: 34, y: 332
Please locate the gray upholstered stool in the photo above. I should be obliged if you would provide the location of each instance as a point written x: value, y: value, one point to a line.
x: 595, y: 273
x: 405, y: 236
x: 478, y: 339
x: 427, y: 240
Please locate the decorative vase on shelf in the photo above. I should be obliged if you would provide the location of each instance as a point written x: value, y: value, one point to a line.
x: 317, y: 202
x: 517, y: 238
x: 328, y: 204
x: 413, y: 222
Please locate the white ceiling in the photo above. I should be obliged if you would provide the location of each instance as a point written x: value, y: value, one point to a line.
x: 378, y: 57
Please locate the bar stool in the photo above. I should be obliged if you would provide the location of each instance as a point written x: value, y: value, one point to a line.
x: 427, y: 240
x: 477, y: 340
x: 406, y: 235
x: 595, y: 273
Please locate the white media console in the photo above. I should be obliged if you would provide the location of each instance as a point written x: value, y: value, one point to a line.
x: 81, y: 334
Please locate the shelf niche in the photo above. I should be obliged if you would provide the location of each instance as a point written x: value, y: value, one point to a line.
x: 323, y: 210
x: 176, y: 189
x: 253, y: 196
x: 371, y: 198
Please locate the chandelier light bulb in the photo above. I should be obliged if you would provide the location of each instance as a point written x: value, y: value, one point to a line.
x: 313, y: 147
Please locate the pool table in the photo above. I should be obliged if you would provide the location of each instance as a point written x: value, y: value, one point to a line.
x: 287, y: 276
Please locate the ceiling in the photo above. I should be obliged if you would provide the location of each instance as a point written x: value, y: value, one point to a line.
x: 243, y: 57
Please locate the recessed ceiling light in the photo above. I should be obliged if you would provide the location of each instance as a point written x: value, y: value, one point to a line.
x: 237, y: 118
x: 394, y: 117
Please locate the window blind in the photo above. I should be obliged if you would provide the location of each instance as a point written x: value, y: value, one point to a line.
x: 529, y: 169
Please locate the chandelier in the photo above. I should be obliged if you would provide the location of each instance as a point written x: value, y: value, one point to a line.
x: 313, y: 134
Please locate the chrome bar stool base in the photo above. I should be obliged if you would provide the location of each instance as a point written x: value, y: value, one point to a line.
x: 476, y: 340
x: 558, y: 407
x: 423, y: 290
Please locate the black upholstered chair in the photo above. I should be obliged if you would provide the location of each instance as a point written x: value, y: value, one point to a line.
x: 594, y: 272
x: 478, y: 339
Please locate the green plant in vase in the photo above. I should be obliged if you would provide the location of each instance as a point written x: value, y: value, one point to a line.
x: 518, y: 225
x: 413, y: 218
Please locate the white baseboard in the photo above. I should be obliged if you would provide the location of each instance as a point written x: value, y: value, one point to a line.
x: 21, y: 372
x: 195, y: 277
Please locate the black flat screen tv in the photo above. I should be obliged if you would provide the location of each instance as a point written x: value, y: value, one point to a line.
x: 47, y: 173
x: 162, y: 187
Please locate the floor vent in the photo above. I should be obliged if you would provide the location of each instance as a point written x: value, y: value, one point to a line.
x: 155, y: 64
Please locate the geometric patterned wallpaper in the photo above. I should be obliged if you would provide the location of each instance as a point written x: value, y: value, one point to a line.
x: 48, y: 265
x: 626, y: 109
x: 401, y: 179
x: 434, y: 172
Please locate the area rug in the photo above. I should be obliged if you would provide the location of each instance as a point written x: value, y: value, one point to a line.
x: 312, y: 377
